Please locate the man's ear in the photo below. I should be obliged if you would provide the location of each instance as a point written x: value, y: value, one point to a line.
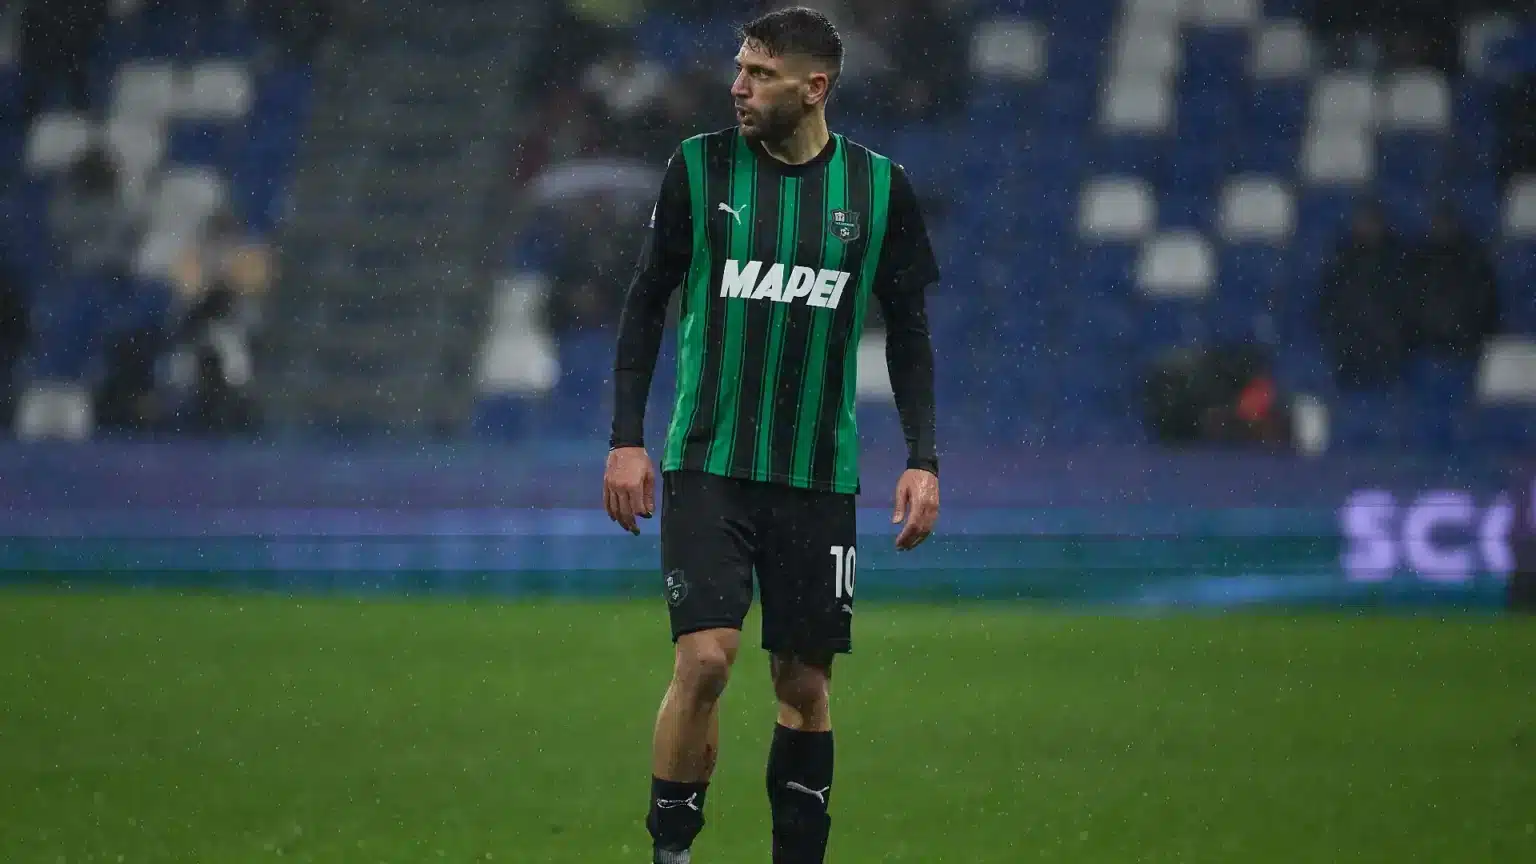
x: 816, y: 89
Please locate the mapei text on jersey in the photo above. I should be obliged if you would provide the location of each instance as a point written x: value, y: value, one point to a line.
x: 821, y: 288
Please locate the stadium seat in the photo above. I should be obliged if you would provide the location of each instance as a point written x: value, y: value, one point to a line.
x: 204, y: 144
x: 56, y: 141
x: 138, y: 146
x: 1438, y: 393
x: 1520, y: 208
x: 1224, y: 13
x: 1148, y: 54
x: 1415, y: 101
x: 1344, y: 158
x: 218, y: 90
x: 1190, y: 208
x: 1343, y: 101
x: 1137, y: 106
x: 54, y: 410
x: 145, y: 89
x: 1280, y: 50
x: 1178, y: 264
x: 1117, y: 208
x: 1256, y: 209
x: 1008, y: 49
x: 185, y: 197
x: 1507, y: 371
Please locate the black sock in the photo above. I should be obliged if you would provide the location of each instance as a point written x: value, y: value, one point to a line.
x: 677, y: 813
x: 799, y: 792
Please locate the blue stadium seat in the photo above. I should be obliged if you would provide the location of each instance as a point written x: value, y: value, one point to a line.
x: 1408, y: 208
x: 1369, y: 420
x: 1127, y: 154
x: 1215, y: 59
x: 1477, y: 203
x: 1508, y: 429
x: 1517, y: 286
x: 1409, y: 159
x: 1249, y: 274
x: 207, y: 144
x: 1186, y: 207
x: 1165, y: 324
x: 1438, y: 391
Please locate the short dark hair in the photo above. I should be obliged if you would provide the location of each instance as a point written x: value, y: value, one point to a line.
x: 798, y: 30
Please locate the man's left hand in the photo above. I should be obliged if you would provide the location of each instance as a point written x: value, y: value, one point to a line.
x: 917, y: 501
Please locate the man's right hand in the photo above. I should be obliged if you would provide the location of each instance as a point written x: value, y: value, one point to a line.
x: 629, y: 486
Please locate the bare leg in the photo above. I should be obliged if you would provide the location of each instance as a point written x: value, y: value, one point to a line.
x: 687, y: 738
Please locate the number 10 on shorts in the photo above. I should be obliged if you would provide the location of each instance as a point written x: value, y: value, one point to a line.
x: 845, y: 560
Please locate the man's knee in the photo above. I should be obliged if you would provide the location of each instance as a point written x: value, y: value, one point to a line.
x: 802, y: 685
x: 703, y: 664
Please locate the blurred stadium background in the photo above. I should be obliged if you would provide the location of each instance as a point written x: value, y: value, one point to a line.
x: 299, y: 296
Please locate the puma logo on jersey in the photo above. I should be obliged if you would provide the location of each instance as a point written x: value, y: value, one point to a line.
x: 820, y: 288
x: 734, y: 211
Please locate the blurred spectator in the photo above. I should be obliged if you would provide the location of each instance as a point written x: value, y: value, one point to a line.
x: 907, y: 58
x: 125, y: 399
x: 14, y: 332
x: 597, y: 251
x: 1393, y: 34
x: 1362, y: 305
x: 627, y: 95
x: 1452, y: 291
x: 96, y: 234
x: 1218, y: 395
x: 58, y: 40
x: 212, y: 360
x: 225, y: 255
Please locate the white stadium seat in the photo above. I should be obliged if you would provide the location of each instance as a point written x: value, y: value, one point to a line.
x: 158, y: 252
x: 220, y: 90
x: 1508, y: 371
x: 145, y: 90
x: 185, y: 198
x: 1177, y: 265
x: 1117, y: 209
x: 1009, y: 48
x: 1142, y: 52
x: 1416, y: 101
x: 518, y: 356
x: 1520, y: 207
x: 1145, y: 11
x: 1224, y: 13
x: 1138, y: 106
x: 1281, y: 50
x: 1342, y: 158
x: 54, y: 410
x: 138, y: 146
x: 1256, y: 209
x: 1343, y: 100
x: 55, y: 141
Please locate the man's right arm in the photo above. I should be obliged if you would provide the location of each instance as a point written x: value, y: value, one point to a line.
x: 663, y: 264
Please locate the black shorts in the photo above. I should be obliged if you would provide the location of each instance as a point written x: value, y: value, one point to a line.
x: 716, y: 531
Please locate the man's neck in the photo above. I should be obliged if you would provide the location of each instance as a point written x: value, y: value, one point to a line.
x: 807, y: 142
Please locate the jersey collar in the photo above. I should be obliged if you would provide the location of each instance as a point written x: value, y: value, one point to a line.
x: 769, y: 163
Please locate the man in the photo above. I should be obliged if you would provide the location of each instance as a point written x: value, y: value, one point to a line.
x: 779, y: 233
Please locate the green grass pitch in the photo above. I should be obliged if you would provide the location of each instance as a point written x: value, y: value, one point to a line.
x: 165, y: 728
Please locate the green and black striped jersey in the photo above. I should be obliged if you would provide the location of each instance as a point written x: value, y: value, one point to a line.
x: 777, y: 264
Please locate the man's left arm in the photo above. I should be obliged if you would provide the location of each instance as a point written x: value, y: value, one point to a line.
x: 906, y: 271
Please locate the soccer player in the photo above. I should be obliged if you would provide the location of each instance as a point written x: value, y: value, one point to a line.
x: 778, y: 234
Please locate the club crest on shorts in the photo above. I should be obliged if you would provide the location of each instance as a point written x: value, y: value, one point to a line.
x: 845, y: 225
x: 677, y: 587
